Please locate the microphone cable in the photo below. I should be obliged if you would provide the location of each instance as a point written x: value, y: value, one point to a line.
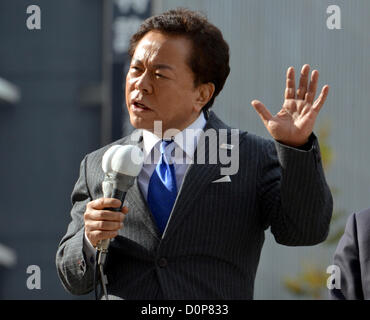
x: 99, y: 273
x: 101, y: 254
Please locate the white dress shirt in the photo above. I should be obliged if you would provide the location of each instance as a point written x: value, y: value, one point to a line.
x: 181, y: 152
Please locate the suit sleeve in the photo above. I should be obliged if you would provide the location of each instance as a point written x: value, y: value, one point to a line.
x: 74, y: 270
x: 295, y: 198
x: 346, y: 257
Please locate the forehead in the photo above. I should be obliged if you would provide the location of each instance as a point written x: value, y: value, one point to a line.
x: 157, y: 47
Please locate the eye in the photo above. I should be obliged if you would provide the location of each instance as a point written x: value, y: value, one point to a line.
x: 158, y: 75
x: 135, y: 68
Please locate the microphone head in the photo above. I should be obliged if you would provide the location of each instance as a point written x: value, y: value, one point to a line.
x: 128, y: 160
x: 107, y: 158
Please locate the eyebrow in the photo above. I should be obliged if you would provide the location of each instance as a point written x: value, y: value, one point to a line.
x: 156, y: 66
x: 162, y: 66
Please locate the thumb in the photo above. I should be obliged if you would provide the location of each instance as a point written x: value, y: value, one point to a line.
x: 262, y: 111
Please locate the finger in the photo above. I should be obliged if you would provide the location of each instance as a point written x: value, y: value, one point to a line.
x: 310, y: 95
x: 124, y: 210
x: 102, y: 203
x: 104, y: 215
x: 262, y: 111
x: 290, y: 84
x: 321, y: 99
x: 103, y: 225
x: 303, y: 81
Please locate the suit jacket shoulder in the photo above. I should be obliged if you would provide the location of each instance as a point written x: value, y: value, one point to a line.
x: 363, y: 243
x: 352, y: 256
x: 363, y: 222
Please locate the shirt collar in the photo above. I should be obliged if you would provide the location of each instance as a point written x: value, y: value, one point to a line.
x: 186, y: 139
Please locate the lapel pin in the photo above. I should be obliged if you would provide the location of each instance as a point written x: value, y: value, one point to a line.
x: 226, y: 146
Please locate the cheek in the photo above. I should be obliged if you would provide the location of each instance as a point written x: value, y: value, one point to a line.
x: 127, y: 89
x: 175, y: 97
x: 184, y: 103
x: 129, y: 85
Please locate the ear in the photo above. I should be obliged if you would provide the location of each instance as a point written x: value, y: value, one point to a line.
x: 205, y: 93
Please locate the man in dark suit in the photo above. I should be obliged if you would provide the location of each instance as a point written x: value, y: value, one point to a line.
x: 196, y: 232
x: 352, y: 257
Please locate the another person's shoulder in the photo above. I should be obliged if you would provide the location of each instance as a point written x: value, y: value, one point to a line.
x: 363, y: 215
x: 362, y: 219
x: 359, y: 223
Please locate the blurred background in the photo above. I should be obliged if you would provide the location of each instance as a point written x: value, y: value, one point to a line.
x: 61, y: 96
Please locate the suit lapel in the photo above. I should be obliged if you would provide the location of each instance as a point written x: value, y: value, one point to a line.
x: 197, y: 176
x: 134, y: 198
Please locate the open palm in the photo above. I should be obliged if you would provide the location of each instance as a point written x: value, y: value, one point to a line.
x: 294, y: 123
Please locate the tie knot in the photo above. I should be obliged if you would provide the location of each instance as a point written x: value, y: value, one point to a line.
x: 164, y: 145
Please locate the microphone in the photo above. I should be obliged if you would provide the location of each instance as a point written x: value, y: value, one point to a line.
x: 121, y: 165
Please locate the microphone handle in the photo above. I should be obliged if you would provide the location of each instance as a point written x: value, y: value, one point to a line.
x: 110, y: 192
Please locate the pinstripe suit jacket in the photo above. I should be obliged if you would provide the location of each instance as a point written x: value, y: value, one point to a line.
x: 212, y: 244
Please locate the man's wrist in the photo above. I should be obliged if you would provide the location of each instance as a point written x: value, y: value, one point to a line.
x: 305, y: 146
x: 308, y: 145
x: 87, y: 243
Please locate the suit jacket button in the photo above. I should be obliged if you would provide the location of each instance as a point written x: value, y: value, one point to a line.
x: 162, y: 262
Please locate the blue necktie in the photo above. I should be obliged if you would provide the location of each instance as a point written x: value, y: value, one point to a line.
x: 162, y: 190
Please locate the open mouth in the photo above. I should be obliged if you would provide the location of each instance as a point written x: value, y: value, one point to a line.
x: 140, y: 106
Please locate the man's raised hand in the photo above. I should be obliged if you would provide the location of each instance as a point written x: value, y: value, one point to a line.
x: 294, y: 123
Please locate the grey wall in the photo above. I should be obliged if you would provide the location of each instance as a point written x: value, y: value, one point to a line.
x: 266, y: 37
x: 44, y: 137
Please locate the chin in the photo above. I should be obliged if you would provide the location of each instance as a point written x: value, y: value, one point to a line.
x: 139, y: 123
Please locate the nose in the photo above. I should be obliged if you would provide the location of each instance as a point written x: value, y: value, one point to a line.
x: 143, y: 83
